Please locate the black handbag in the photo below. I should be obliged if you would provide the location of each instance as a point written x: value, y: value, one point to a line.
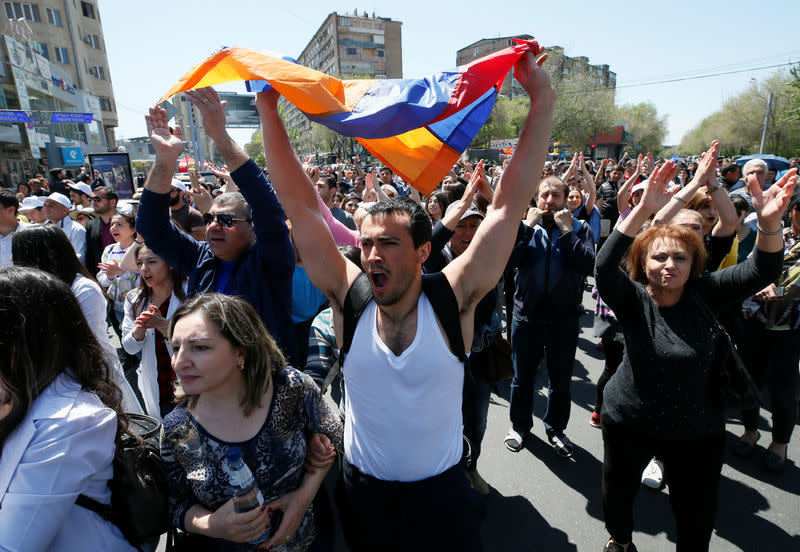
x: 494, y: 362
x: 736, y: 386
x: 139, y: 494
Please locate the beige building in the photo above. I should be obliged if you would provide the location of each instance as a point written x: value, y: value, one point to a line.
x: 348, y: 46
x: 53, y: 59
x: 71, y: 36
x: 559, y: 65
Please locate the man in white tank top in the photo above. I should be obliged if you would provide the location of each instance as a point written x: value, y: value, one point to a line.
x: 403, y: 485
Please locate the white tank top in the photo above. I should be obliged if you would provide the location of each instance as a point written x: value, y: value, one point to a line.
x: 403, y: 418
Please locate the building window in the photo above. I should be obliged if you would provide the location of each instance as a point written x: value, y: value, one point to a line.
x: 20, y: 10
x: 105, y: 104
x: 62, y: 56
x: 380, y: 53
x: 87, y: 9
x: 54, y: 17
x: 43, y: 49
x: 97, y: 72
x: 351, y: 51
x: 92, y: 40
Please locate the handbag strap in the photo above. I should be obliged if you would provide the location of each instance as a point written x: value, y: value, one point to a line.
x: 717, y: 331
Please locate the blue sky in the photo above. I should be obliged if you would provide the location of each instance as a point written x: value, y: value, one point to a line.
x: 151, y: 44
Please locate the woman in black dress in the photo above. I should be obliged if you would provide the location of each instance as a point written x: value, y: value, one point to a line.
x: 663, y: 400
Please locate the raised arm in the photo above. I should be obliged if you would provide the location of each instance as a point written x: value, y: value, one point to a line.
x: 177, y: 248
x: 589, y: 187
x: 342, y: 235
x: 679, y: 199
x: 325, y: 266
x: 625, y: 190
x: 212, y: 109
x: 655, y: 195
x: 473, y: 273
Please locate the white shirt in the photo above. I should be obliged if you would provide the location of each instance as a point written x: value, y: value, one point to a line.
x: 148, y: 368
x: 62, y: 448
x: 403, y: 412
x: 5, y: 245
x: 93, y: 304
x: 76, y: 234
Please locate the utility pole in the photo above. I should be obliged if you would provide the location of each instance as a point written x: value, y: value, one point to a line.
x: 766, y: 119
x: 197, y: 143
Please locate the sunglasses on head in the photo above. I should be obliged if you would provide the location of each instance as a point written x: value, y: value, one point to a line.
x: 225, y: 220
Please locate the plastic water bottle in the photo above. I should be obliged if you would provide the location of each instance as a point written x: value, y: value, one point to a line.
x: 246, y: 494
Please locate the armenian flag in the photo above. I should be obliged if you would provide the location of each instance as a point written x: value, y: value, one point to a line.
x: 416, y: 127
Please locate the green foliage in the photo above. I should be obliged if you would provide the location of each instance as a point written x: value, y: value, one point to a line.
x: 505, y: 121
x: 739, y: 124
x: 582, y: 110
x: 255, y: 148
x: 645, y: 128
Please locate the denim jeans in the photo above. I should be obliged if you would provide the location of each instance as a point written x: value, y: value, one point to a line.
x: 530, y: 341
x: 474, y: 409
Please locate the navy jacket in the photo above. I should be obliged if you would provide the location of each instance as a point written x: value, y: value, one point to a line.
x: 551, y: 267
x: 262, y: 275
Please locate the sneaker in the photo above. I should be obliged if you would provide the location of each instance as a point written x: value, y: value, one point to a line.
x: 477, y: 482
x: 614, y: 547
x: 563, y: 446
x: 514, y: 441
x: 594, y: 421
x: 653, y: 474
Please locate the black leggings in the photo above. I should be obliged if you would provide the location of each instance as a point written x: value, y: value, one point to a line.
x: 692, y: 468
x: 613, y: 351
x: 772, y: 359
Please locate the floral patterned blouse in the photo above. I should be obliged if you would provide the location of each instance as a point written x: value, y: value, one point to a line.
x: 197, y: 470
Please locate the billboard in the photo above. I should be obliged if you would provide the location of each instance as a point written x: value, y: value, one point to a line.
x: 115, y: 170
x: 240, y: 111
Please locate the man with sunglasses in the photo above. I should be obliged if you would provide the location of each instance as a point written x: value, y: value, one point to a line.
x: 98, y: 230
x: 248, y: 251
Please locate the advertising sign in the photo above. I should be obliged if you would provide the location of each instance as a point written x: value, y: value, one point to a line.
x: 240, y: 112
x: 115, y: 169
x: 14, y: 117
x: 72, y: 155
x: 66, y: 117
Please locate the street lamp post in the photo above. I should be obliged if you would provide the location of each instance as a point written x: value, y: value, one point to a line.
x: 766, y: 119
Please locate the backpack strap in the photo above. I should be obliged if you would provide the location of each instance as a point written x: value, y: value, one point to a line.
x: 443, y: 300
x: 103, y: 510
x: 358, y: 297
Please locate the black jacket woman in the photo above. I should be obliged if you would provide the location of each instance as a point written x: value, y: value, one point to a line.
x: 664, y: 399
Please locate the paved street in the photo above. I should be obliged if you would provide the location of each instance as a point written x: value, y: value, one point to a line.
x: 541, y: 502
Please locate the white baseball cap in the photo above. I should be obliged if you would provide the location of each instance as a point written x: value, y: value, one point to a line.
x: 81, y: 187
x: 30, y: 203
x: 178, y: 184
x: 59, y: 198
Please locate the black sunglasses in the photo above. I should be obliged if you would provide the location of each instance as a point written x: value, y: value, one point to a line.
x: 223, y: 219
x: 96, y: 199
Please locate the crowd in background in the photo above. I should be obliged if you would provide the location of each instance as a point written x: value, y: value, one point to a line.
x: 227, y: 336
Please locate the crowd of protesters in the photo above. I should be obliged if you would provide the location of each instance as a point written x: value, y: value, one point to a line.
x: 239, y: 302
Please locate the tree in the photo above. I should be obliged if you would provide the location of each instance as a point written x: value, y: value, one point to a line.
x: 738, y: 125
x: 645, y: 127
x: 502, y: 122
x: 583, y: 108
x: 255, y: 148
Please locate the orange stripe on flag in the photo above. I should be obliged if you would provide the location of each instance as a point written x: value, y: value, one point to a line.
x: 418, y: 156
x: 313, y: 92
